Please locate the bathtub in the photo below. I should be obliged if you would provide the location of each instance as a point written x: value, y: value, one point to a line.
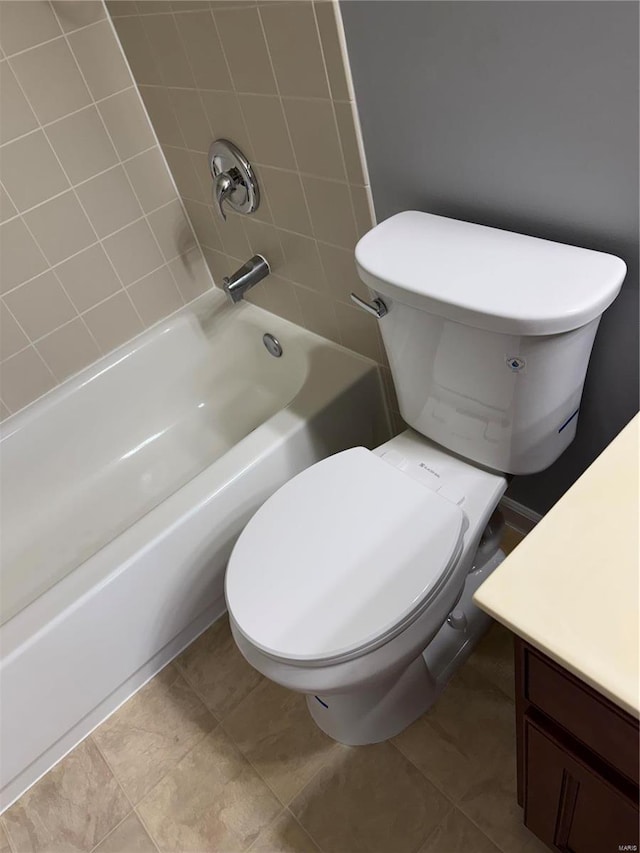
x: 122, y: 494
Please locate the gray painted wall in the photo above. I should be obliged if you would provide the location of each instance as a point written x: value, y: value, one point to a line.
x: 518, y: 115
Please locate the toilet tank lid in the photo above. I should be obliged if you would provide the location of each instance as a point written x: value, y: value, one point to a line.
x: 485, y: 277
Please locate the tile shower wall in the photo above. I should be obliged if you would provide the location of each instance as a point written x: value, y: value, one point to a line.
x: 270, y: 77
x: 94, y: 243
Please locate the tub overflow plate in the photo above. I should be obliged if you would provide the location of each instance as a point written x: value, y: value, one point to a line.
x: 272, y: 344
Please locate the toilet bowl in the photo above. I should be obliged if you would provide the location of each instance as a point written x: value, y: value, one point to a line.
x: 353, y: 584
x: 348, y: 573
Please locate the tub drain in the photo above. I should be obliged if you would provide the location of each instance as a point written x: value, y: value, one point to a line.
x: 272, y: 344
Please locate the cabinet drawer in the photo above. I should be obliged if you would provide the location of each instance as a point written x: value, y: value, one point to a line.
x: 592, y: 719
x: 568, y: 805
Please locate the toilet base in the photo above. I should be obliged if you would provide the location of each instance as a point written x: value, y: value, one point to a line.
x: 382, y: 711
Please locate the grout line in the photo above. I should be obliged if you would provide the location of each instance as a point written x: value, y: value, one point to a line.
x: 162, y: 154
x: 71, y: 186
x: 43, y: 126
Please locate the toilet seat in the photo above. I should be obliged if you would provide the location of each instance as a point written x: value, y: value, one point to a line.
x: 340, y: 560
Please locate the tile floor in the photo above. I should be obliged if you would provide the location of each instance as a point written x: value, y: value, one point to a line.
x: 209, y: 756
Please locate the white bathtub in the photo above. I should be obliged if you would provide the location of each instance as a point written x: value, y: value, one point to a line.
x: 123, y: 492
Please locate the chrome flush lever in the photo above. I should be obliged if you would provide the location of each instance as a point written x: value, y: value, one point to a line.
x: 377, y: 307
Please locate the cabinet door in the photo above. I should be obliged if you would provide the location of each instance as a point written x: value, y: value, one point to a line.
x: 568, y: 805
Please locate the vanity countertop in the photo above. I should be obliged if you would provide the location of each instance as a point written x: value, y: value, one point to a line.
x: 571, y: 587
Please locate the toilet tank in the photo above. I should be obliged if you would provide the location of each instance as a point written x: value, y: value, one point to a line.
x: 488, y: 333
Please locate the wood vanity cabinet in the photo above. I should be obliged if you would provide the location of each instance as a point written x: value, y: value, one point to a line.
x: 578, y: 757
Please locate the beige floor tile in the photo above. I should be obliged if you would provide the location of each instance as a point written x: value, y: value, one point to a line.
x: 284, y: 835
x: 459, y: 741
x: 129, y: 837
x: 4, y: 841
x: 157, y: 727
x: 213, y: 800
x: 491, y: 804
x: 493, y: 658
x: 274, y: 730
x: 216, y: 669
x: 71, y: 809
x: 371, y: 800
x: 456, y: 834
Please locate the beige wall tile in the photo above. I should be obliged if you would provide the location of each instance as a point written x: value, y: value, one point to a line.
x: 51, y: 80
x: 156, y: 296
x: 171, y: 229
x: 346, y: 119
x: 278, y: 296
x: 136, y: 46
x: 286, y: 200
x: 113, y: 322
x: 204, y: 224
x: 88, y: 278
x: 326, y: 16
x: 121, y: 7
x: 100, y: 59
x: 12, y: 338
x: 264, y: 239
x: 359, y: 332
x: 219, y: 264
x: 234, y: 239
x: 294, y: 46
x: 319, y: 314
x: 53, y: 814
x: 150, y: 179
x: 226, y: 120
x: 133, y: 252
x: 331, y: 212
x: 109, y: 201
x: 363, y: 209
x: 199, y: 34
x: 246, y: 50
x: 40, y: 305
x: 168, y: 50
x: 23, y: 378
x: 184, y: 173
x: 95, y: 154
x: 73, y: 14
x: 60, y: 227
x: 163, y: 119
x: 302, y: 261
x: 17, y: 115
x: 20, y: 258
x: 24, y: 25
x: 30, y: 171
x: 129, y: 837
x: 68, y: 349
x: 191, y: 274
x: 268, y: 131
x: 315, y: 137
x: 340, y: 271
x: 7, y: 208
x: 191, y: 118
x: 127, y: 123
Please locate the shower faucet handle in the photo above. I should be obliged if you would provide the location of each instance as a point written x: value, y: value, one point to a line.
x: 234, y: 180
x: 223, y: 187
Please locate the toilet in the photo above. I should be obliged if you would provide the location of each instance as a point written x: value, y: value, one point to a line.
x: 354, y: 582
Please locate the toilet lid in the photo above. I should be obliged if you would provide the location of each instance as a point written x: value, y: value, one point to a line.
x: 340, y: 558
